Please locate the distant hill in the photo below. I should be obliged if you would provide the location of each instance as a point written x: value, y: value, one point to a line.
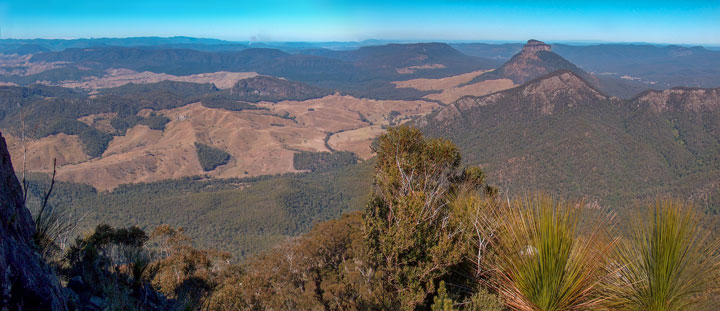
x: 560, y: 134
x: 264, y: 88
x: 665, y: 67
x: 501, y: 52
x: 654, y: 66
x: 404, y: 55
x: 365, y: 72
x: 9, y: 45
x: 536, y: 59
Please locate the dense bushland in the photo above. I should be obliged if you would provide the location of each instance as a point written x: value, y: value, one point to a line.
x: 318, y: 161
x: 211, y: 157
x: 249, y: 215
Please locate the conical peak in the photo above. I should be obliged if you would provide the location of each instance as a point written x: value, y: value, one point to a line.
x: 533, y: 46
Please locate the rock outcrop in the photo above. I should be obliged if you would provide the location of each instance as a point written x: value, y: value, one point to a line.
x: 534, y: 46
x: 26, y: 281
x: 680, y: 99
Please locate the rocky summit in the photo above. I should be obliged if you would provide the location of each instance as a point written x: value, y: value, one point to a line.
x: 534, y: 46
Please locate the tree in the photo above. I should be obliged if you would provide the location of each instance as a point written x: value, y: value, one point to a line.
x: 410, y: 234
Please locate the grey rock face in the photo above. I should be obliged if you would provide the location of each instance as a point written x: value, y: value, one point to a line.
x: 26, y: 281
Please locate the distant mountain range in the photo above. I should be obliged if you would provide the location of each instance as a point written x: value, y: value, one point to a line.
x: 366, y: 72
x: 655, y: 66
x: 363, y: 68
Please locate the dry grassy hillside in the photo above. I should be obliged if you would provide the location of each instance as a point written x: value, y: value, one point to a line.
x: 118, y: 77
x: 259, y: 142
x: 452, y: 88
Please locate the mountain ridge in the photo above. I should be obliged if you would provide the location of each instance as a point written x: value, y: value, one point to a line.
x: 561, y: 134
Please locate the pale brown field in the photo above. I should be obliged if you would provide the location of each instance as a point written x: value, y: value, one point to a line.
x: 119, y: 77
x: 335, y: 113
x: 439, y: 84
x: 412, y: 69
x: 357, y: 141
x: 476, y: 89
x: 66, y: 149
x: 450, y: 89
x: 261, y: 142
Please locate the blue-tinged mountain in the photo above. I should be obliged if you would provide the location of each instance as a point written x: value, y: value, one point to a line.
x: 642, y: 65
x: 366, y: 72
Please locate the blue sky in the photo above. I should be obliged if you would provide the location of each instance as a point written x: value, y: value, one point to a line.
x: 685, y: 22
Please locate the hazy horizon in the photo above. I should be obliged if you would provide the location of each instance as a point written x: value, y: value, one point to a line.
x: 654, y: 22
x: 383, y: 41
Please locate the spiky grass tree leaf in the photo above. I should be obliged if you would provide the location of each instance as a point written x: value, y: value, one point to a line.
x: 667, y: 263
x: 539, y: 259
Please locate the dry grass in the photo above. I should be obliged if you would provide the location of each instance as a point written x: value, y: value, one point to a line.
x: 357, y: 141
x: 451, y: 91
x: 424, y: 84
x: 67, y: 149
x: 476, y: 89
x: 119, y: 77
x: 261, y: 142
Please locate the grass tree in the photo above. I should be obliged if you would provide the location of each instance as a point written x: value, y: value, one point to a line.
x: 539, y: 260
x: 668, y: 263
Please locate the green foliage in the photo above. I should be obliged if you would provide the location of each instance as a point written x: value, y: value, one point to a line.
x: 180, y: 270
x: 177, y: 88
x: 483, y: 300
x: 211, y: 157
x: 320, y: 161
x: 316, y: 271
x: 539, y: 259
x: 442, y: 302
x: 411, y: 236
x: 126, y: 267
x: 155, y: 121
x: 668, y: 263
x: 226, y: 101
x: 97, y: 257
